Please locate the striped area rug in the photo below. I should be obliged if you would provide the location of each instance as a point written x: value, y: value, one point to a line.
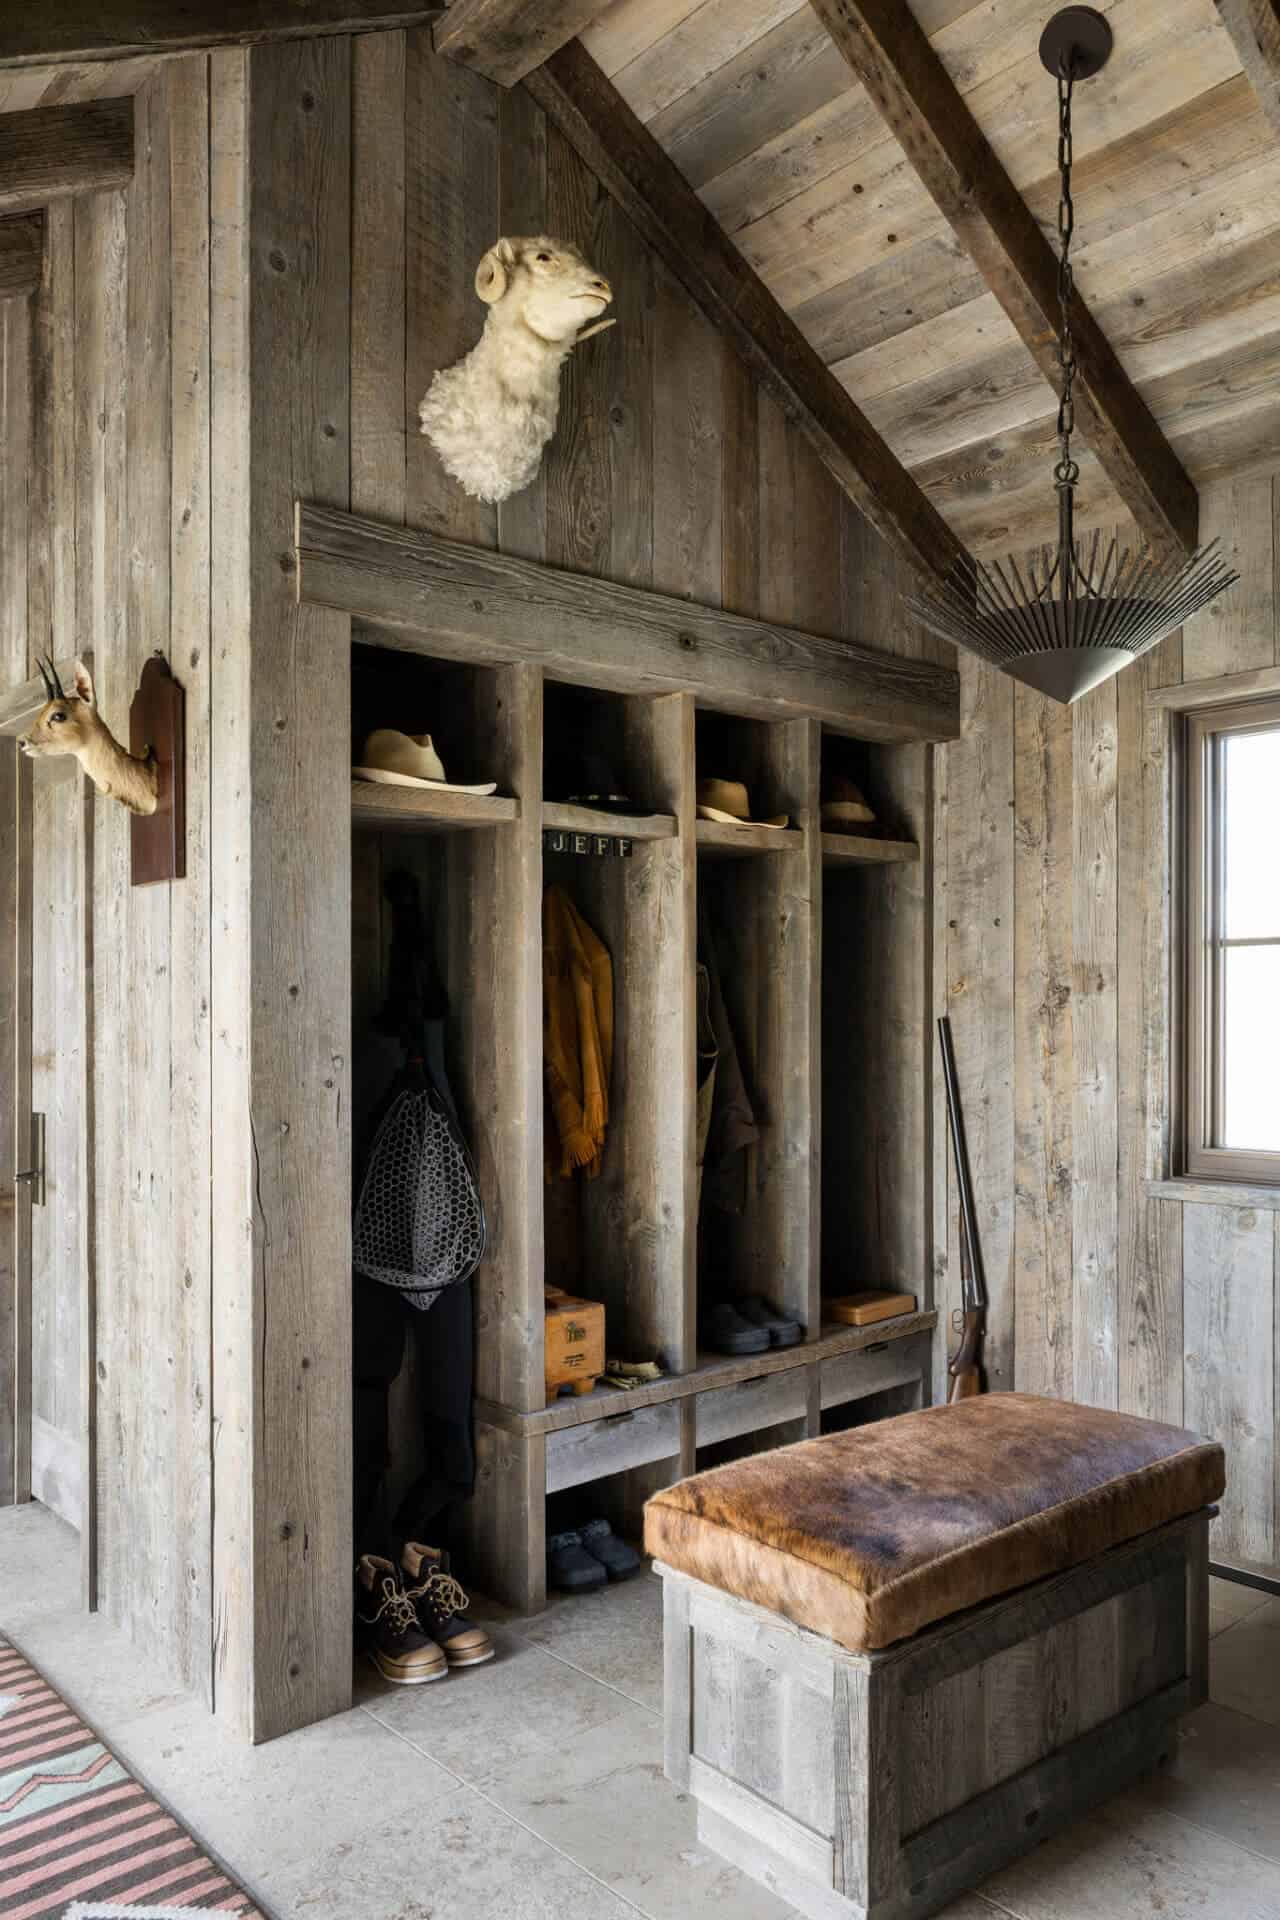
x: 80, y: 1839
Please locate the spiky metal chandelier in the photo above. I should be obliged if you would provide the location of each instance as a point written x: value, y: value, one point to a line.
x: 1075, y: 618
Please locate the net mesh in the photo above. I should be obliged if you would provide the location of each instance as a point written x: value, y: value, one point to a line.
x: 419, y: 1224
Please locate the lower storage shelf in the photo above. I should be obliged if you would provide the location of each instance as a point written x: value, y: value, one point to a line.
x: 578, y: 1454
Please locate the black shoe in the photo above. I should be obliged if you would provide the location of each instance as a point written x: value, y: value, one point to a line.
x: 619, y: 1560
x: 388, y: 1629
x: 782, y: 1332
x: 725, y: 1330
x: 570, y: 1567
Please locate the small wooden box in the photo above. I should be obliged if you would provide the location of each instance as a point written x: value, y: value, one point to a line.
x: 864, y: 1309
x: 574, y: 1342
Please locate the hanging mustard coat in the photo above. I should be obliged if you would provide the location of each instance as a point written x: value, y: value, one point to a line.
x: 577, y: 979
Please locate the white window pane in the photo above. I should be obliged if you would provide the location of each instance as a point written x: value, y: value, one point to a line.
x: 1251, y: 1107
x: 1252, y: 803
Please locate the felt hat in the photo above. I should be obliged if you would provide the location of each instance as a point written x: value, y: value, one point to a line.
x: 408, y: 760
x: 844, y: 809
x: 728, y: 802
x: 597, y: 785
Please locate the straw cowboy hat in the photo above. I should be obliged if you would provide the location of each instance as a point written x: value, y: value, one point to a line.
x: 844, y: 809
x: 727, y: 801
x: 408, y: 760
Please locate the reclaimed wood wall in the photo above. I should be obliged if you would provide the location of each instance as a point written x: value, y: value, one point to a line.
x: 1053, y: 855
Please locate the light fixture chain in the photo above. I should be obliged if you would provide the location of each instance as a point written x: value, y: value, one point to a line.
x: 1068, y: 472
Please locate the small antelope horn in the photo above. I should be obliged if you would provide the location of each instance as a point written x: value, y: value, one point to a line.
x: 59, y: 691
x: 48, y: 684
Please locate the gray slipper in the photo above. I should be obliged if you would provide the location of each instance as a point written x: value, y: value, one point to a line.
x: 570, y: 1567
x: 725, y: 1331
x: 757, y: 1312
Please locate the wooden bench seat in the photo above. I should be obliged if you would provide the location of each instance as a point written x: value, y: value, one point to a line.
x: 898, y: 1657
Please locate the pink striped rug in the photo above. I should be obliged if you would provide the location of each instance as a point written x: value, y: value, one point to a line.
x: 80, y: 1839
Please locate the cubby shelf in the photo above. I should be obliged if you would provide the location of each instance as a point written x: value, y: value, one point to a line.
x: 712, y: 1371
x: 864, y: 850
x: 719, y: 842
x: 426, y: 809
x: 626, y: 826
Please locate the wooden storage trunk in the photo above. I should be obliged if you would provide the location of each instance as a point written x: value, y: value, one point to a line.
x: 879, y: 1786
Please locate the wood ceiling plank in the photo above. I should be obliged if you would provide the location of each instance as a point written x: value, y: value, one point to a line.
x: 87, y: 30
x: 1254, y: 26
x: 66, y: 83
x: 698, y: 47
x: 53, y: 152
x: 927, y: 116
x: 505, y: 39
x: 625, y: 30
x: 578, y: 98
x: 21, y: 252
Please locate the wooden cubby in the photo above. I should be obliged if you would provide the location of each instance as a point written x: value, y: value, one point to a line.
x: 630, y: 1236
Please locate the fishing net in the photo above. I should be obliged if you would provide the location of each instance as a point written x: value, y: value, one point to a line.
x: 419, y: 1222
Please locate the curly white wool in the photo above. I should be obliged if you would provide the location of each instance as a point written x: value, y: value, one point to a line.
x: 491, y: 414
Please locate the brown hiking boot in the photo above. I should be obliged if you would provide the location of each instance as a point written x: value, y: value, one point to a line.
x: 441, y: 1601
x: 388, y: 1627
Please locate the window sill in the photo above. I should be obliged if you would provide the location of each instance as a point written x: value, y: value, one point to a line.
x: 1214, y: 1193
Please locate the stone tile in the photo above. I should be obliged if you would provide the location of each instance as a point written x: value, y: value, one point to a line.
x: 265, y: 1809
x: 458, y: 1860
x: 519, y: 1705
x: 615, y: 1635
x: 1244, y: 1665
x: 1229, y: 1602
x: 39, y: 1566
x: 98, y: 1669
x: 1226, y: 1776
x: 605, y: 1801
x: 1132, y: 1861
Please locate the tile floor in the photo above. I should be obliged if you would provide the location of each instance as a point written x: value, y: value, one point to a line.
x: 532, y: 1788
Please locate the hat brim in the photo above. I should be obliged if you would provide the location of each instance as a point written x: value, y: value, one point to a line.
x: 722, y: 819
x: 383, y: 778
x: 845, y: 814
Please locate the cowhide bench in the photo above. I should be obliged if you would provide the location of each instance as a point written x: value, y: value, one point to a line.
x: 901, y: 1656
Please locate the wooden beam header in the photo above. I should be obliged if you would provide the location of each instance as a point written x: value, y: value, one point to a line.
x: 466, y: 602
x: 890, y: 53
x: 21, y: 254
x: 50, y: 153
x: 623, y: 154
x: 48, y: 32
x: 507, y: 39
x: 1254, y: 26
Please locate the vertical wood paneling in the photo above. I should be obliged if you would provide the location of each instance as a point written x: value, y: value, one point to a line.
x: 1094, y: 1208
x: 522, y: 209
x: 1043, y: 841
x: 740, y: 483
x: 577, y: 469
x: 51, y: 475
x: 1230, y: 1364
x: 1238, y: 630
x: 451, y: 219
x: 190, y: 536
x: 15, y: 437
x: 10, y: 1028
x: 777, y: 549
x: 378, y: 416
x: 687, y: 424
x: 299, y: 731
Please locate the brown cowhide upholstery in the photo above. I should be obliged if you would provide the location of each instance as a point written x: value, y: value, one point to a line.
x: 869, y: 1535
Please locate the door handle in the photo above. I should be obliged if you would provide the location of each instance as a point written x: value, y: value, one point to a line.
x: 34, y: 1174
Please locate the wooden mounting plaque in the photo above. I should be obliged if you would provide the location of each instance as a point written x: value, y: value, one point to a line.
x: 157, y: 719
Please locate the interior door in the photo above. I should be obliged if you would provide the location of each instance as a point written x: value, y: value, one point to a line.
x: 51, y: 1133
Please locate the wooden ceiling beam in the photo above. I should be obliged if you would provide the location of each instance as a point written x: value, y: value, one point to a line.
x: 48, y: 32
x: 1254, y: 26
x: 598, y: 123
x: 21, y: 254
x: 50, y: 153
x: 506, y: 39
x: 889, y: 52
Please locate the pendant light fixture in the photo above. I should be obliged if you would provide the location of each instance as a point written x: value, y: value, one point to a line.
x: 1077, y: 617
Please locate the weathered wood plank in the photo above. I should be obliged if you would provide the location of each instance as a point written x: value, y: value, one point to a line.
x: 21, y: 246
x: 1254, y: 26
x: 15, y: 433
x: 52, y: 152
x: 594, y: 117
x: 505, y: 39
x: 891, y: 54
x: 378, y: 276
x: 114, y: 30
x: 577, y: 471
x: 607, y: 635
x: 1229, y: 1364
x: 522, y: 208
x: 739, y: 489
x: 688, y: 421
x: 10, y: 1027
x: 1237, y: 632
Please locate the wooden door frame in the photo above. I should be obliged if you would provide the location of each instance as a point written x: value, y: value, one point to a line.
x: 18, y: 708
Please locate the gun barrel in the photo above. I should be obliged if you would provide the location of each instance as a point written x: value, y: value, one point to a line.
x: 964, y: 1181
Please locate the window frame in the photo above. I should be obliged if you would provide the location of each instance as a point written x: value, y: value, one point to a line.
x: 1204, y: 729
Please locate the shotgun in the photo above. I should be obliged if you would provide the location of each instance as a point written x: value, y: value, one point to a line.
x: 970, y: 1322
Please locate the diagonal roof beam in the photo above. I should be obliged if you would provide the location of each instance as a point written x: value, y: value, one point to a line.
x: 507, y: 39
x: 1254, y: 25
x: 42, y: 32
x: 890, y: 53
x: 596, y: 120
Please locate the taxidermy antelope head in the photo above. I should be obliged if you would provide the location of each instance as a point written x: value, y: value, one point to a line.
x: 490, y: 416
x: 71, y: 723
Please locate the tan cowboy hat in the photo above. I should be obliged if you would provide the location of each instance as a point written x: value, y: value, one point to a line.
x: 408, y: 760
x: 844, y: 810
x: 727, y: 802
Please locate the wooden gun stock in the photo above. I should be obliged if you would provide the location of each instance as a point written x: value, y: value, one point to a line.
x: 965, y: 1368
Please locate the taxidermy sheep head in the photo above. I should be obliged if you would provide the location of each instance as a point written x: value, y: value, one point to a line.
x: 490, y: 415
x: 71, y: 723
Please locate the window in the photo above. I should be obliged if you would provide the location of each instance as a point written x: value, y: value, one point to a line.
x: 1233, y: 958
